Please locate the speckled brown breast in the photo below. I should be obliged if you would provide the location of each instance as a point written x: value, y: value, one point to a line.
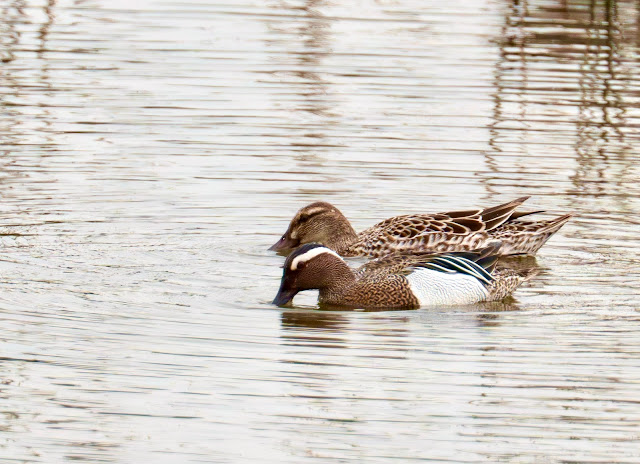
x: 391, y: 291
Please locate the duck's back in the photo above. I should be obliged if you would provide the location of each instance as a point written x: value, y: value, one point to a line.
x: 421, y: 233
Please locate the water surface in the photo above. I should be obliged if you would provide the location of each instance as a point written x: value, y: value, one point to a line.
x: 151, y: 152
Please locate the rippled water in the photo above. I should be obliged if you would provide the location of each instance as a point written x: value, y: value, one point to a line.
x: 152, y: 150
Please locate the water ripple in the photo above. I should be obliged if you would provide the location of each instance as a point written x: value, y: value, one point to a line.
x: 151, y: 151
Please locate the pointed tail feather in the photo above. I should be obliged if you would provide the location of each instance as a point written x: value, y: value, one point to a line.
x: 519, y: 214
x: 526, y: 238
x: 554, y: 225
x: 497, y: 215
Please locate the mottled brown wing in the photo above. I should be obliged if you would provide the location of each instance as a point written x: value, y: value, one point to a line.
x: 421, y: 233
x: 411, y: 227
x: 465, y: 222
x: 442, y: 232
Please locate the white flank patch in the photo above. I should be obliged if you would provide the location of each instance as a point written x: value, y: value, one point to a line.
x: 310, y: 255
x: 433, y: 288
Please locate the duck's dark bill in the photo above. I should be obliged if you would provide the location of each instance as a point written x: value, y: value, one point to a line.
x: 283, y: 244
x: 284, y: 296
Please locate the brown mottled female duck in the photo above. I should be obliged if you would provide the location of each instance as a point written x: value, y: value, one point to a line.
x: 465, y: 230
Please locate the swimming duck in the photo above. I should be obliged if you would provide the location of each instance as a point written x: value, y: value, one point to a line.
x: 399, y: 281
x: 466, y: 230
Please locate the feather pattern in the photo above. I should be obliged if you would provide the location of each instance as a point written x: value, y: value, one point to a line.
x: 460, y: 265
x: 421, y: 233
x: 398, y: 281
x: 434, y: 288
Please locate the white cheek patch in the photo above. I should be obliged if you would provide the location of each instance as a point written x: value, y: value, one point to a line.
x: 310, y: 255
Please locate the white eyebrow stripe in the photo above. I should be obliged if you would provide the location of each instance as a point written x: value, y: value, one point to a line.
x: 310, y: 255
x: 316, y: 210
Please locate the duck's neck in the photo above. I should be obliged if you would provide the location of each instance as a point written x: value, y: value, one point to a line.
x: 342, y: 236
x: 338, y: 279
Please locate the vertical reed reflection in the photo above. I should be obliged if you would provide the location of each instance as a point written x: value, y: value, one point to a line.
x: 304, y: 36
x: 23, y: 93
x: 12, y: 14
x: 26, y: 92
x: 601, y: 124
x: 46, y: 26
x: 563, y: 77
x: 43, y: 35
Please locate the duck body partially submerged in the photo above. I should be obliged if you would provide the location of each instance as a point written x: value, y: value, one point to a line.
x: 399, y: 281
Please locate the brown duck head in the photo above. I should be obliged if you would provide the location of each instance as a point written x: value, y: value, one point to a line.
x: 311, y: 266
x: 318, y: 222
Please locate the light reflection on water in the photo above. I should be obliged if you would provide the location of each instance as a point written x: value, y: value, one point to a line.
x: 152, y: 151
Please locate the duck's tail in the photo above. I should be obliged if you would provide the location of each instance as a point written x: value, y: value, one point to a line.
x: 505, y: 281
x: 526, y: 238
x: 497, y: 215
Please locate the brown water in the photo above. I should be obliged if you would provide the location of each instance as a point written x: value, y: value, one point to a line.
x: 152, y: 150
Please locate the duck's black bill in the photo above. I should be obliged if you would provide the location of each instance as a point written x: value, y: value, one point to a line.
x: 283, y: 244
x: 284, y: 296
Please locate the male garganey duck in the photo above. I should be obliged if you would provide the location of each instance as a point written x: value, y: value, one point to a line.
x: 419, y: 233
x: 400, y: 281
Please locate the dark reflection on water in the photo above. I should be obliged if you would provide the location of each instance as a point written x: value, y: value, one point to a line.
x: 571, y: 66
x: 313, y: 328
x: 314, y: 320
x: 151, y: 151
x: 306, y: 326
